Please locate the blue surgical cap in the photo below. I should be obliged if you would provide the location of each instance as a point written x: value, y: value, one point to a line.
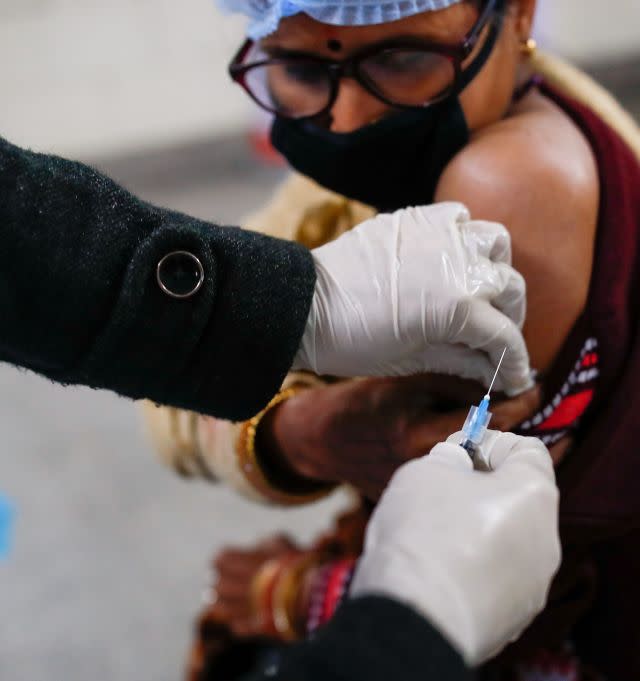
x: 265, y: 15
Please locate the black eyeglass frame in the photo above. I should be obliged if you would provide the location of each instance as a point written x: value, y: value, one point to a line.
x: 348, y: 67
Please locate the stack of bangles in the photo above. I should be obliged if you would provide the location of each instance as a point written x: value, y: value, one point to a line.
x: 277, y: 588
x: 275, y: 593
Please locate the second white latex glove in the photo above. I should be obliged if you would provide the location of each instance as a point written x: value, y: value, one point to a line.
x: 422, y: 289
x: 473, y: 552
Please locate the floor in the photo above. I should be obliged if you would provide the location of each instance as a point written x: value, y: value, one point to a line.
x: 110, y: 550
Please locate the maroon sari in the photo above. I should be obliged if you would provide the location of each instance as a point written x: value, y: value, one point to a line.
x: 595, y: 599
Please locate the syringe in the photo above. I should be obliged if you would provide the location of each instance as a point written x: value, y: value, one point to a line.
x: 478, y: 419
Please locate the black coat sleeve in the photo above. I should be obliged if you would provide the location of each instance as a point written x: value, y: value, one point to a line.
x: 80, y: 304
x: 370, y: 639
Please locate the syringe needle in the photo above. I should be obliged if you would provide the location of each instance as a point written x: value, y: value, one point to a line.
x: 478, y: 418
x: 504, y: 352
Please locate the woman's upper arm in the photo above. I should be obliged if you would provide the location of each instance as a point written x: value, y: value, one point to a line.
x: 545, y: 192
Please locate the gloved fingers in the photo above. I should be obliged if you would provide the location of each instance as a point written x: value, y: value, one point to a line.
x: 480, y: 461
x: 407, y: 483
x: 501, y: 285
x: 438, y: 215
x: 463, y: 362
x: 455, y: 438
x: 505, y: 452
x: 481, y: 327
x: 502, y: 451
x: 474, y: 365
x: 450, y: 454
x: 511, y: 297
x: 524, y: 463
x: 409, y: 476
x: 491, y: 239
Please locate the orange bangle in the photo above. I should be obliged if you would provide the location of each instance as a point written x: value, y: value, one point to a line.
x: 261, y: 593
x: 249, y: 464
x: 274, y: 591
x: 285, y: 595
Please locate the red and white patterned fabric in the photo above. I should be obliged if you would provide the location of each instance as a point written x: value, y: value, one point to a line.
x: 328, y: 591
x: 563, y: 412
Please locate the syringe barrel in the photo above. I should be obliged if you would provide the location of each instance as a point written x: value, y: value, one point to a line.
x: 476, y: 425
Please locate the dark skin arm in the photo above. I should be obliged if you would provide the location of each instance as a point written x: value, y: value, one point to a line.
x: 534, y: 172
x: 360, y: 432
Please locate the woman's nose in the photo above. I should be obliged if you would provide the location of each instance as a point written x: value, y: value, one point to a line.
x: 355, y: 107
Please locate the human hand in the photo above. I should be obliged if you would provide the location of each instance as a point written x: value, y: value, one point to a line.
x: 422, y: 289
x: 474, y: 552
x: 233, y: 594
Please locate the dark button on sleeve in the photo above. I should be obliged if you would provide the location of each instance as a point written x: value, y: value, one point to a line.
x: 180, y: 274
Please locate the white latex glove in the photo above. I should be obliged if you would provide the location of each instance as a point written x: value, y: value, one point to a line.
x: 474, y: 552
x: 422, y: 289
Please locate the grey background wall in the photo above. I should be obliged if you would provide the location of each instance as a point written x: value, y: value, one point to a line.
x: 92, y: 78
x: 95, y: 78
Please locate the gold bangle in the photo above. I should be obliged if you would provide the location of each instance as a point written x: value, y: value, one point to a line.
x: 285, y: 594
x: 260, y: 594
x: 249, y: 463
x: 190, y: 461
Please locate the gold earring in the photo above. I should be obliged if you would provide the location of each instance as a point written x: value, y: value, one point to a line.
x: 528, y: 47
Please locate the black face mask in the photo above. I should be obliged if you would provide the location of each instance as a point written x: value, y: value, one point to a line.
x: 394, y: 163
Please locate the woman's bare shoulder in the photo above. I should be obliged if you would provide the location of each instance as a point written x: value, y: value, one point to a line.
x: 536, y: 155
x: 535, y: 173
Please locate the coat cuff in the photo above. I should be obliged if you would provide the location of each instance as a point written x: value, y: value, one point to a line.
x: 372, y: 639
x: 226, y: 349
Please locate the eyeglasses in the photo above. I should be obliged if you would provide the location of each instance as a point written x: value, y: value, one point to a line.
x: 407, y: 73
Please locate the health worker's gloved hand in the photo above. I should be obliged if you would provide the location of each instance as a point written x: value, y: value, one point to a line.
x: 474, y: 552
x: 422, y: 289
